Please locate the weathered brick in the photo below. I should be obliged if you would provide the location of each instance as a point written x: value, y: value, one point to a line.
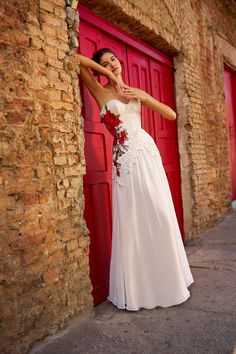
x: 35, y: 31
x: 72, y: 171
x: 62, y: 105
x: 23, y: 243
x: 15, y: 118
x: 76, y: 182
x: 72, y: 193
x: 29, y: 198
x: 52, y: 74
x: 46, y: 5
x: 32, y: 19
x: 65, y: 77
x: 60, y: 13
x: 61, y: 194
x: 50, y: 31
x: 55, y: 63
x: 53, y: 21
x: 72, y: 245
x: 19, y: 104
x: 63, y: 35
x: 72, y: 160
x: 50, y: 52
x: 63, y: 203
x: 55, y: 95
x: 55, y: 259
x: 68, y: 97
x: 51, y: 276
x: 66, y: 182
x: 60, y: 160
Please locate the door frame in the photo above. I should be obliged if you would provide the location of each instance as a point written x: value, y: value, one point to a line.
x: 86, y: 15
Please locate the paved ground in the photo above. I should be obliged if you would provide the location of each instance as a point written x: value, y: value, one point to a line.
x: 205, y: 324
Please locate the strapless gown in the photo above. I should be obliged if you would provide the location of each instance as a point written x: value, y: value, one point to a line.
x: 149, y: 266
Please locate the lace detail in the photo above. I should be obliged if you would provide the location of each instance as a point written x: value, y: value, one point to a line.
x: 123, y: 120
x: 139, y: 140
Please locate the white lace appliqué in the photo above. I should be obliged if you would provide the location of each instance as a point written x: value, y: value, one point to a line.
x: 139, y: 140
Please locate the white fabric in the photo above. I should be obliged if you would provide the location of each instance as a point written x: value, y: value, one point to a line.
x: 149, y: 266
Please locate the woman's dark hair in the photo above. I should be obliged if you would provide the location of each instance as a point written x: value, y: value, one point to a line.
x: 97, y: 57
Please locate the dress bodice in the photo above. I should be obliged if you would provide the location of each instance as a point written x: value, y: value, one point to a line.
x: 123, y: 120
x: 129, y: 113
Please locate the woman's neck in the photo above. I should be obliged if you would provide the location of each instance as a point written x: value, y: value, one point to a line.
x: 112, y: 84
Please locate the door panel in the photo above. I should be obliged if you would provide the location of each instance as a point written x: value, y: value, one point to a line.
x: 97, y: 181
x: 230, y: 100
x: 98, y: 154
x: 157, y: 79
x: 166, y: 132
x: 139, y: 75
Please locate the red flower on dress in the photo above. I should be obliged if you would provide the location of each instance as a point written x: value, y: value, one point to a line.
x: 114, y: 125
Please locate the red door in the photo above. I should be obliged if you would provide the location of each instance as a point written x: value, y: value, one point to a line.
x: 230, y: 98
x: 97, y: 181
x: 153, y: 72
x: 157, y: 79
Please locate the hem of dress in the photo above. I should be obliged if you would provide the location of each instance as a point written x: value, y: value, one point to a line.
x: 125, y: 307
x: 189, y: 283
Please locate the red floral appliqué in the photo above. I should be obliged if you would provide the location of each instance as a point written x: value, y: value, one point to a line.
x: 113, y: 124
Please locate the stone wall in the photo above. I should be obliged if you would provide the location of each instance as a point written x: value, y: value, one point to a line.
x: 44, y: 241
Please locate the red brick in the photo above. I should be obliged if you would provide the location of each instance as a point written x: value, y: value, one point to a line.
x: 51, y: 276
x: 22, y: 243
x: 15, y: 118
x: 19, y: 104
x: 32, y: 256
x: 55, y: 259
x: 29, y: 198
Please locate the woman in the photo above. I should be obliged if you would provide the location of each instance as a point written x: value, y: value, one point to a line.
x: 149, y: 266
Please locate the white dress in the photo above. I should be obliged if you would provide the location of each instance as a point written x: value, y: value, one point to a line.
x: 149, y: 266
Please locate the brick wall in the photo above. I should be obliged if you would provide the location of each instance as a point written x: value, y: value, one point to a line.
x: 44, y: 242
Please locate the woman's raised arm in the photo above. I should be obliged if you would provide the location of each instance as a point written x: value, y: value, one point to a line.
x: 93, y: 85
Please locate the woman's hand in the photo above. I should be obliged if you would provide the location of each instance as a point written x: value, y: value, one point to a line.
x: 148, y: 101
x: 119, y: 84
x: 132, y: 92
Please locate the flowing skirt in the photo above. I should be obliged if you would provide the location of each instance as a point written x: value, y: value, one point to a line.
x: 149, y: 266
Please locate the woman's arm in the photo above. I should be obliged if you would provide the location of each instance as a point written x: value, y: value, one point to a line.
x: 149, y: 101
x: 95, y: 88
x: 89, y: 63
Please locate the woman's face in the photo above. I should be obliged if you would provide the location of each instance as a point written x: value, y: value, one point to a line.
x: 111, y: 63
